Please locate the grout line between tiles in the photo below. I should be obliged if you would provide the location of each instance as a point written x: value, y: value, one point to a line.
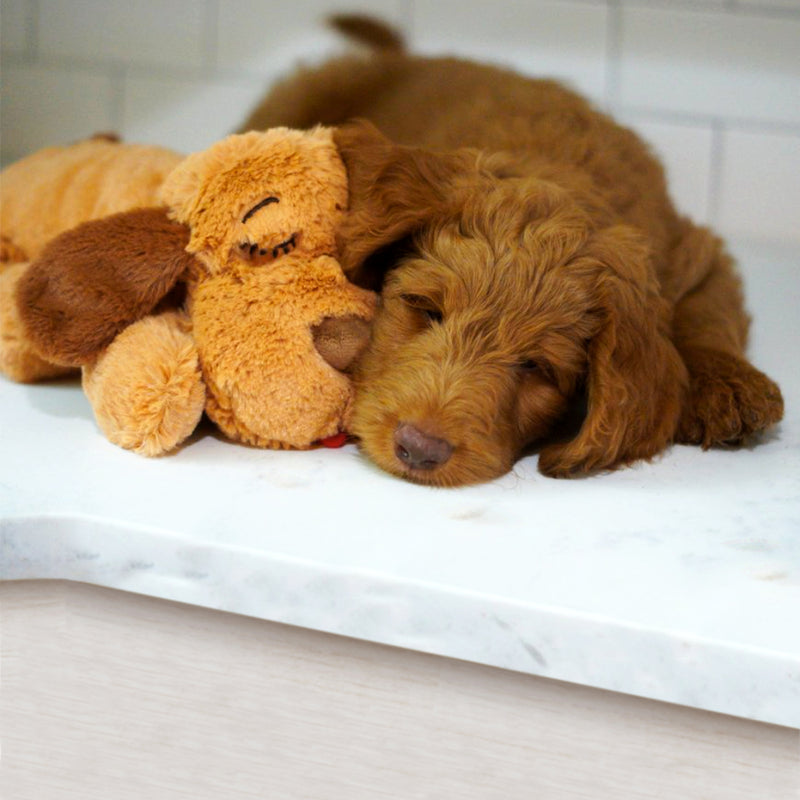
x: 732, y: 7
x: 614, y: 36
x: 32, y: 29
x: 117, y: 104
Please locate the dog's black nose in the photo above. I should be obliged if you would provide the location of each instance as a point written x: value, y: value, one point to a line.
x: 419, y: 450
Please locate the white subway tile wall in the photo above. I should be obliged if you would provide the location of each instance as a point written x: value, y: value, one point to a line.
x: 700, y: 62
x: 148, y: 33
x: 553, y: 38
x: 187, y: 114
x: 266, y: 37
x: 713, y: 85
x: 13, y: 27
x: 40, y: 106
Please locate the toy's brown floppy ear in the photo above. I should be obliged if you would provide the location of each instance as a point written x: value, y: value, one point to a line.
x: 394, y: 191
x: 94, y: 280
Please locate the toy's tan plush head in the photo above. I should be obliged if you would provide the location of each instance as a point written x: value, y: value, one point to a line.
x: 248, y: 229
x: 255, y: 197
x: 263, y: 209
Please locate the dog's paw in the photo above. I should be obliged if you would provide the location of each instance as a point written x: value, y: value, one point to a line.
x: 729, y: 400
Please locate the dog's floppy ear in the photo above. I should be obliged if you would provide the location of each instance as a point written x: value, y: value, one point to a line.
x: 97, y: 278
x: 394, y: 191
x: 636, y: 379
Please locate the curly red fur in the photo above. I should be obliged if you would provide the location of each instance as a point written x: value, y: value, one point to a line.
x: 529, y: 255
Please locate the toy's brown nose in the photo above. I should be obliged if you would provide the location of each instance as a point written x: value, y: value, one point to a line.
x: 340, y: 340
x: 419, y: 450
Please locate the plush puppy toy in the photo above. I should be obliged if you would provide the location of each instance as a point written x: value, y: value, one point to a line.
x: 226, y: 297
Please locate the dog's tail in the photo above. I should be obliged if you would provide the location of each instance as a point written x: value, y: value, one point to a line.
x: 369, y: 31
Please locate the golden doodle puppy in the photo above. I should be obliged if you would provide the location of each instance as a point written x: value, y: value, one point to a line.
x: 529, y: 257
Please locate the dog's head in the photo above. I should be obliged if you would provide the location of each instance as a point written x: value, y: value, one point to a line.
x: 505, y: 297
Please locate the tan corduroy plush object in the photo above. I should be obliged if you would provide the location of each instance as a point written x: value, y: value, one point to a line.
x: 209, y: 283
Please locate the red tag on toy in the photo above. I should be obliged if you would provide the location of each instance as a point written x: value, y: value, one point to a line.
x: 337, y: 440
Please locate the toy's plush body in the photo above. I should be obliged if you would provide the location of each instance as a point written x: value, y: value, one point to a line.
x: 57, y: 188
x: 52, y: 191
x: 214, y: 287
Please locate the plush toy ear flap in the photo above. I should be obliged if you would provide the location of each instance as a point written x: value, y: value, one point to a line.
x: 94, y: 280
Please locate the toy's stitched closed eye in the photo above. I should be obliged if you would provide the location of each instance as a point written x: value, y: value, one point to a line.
x: 256, y: 254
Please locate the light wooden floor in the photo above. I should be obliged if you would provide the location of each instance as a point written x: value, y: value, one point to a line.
x: 112, y: 696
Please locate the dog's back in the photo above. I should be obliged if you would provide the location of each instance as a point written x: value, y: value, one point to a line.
x: 448, y: 103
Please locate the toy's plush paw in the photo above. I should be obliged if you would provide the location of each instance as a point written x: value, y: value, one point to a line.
x: 18, y: 358
x: 146, y: 388
x: 729, y: 400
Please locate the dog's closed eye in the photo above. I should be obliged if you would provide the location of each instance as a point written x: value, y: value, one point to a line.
x: 538, y: 367
x: 426, y: 307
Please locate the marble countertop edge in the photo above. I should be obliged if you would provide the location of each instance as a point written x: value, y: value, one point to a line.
x: 552, y: 642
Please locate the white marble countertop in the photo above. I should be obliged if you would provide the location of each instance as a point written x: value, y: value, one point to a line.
x: 677, y: 580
